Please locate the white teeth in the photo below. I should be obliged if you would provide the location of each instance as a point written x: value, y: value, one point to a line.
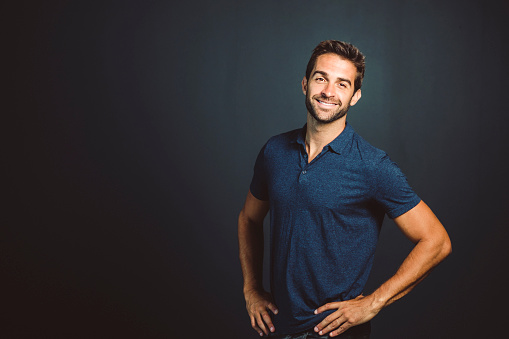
x: 326, y: 103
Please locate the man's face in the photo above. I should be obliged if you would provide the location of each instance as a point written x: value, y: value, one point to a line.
x: 330, y: 88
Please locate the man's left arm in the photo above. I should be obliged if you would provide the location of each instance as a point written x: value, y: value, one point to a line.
x: 432, y: 245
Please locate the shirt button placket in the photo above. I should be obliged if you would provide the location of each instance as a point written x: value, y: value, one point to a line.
x: 303, y: 176
x: 304, y: 165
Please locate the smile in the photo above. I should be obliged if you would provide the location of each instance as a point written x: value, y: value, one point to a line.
x: 327, y: 103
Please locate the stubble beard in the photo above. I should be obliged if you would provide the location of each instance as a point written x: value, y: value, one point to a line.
x: 341, y: 111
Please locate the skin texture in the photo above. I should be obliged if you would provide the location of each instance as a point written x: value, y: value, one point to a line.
x: 331, y: 81
x: 250, y: 229
x: 329, y: 92
x: 432, y: 245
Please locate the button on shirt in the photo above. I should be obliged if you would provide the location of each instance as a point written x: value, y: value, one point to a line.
x: 325, y: 219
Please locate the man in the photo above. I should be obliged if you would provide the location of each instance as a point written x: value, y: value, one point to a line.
x: 328, y: 190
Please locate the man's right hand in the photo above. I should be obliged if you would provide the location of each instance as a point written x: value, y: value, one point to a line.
x: 258, y: 303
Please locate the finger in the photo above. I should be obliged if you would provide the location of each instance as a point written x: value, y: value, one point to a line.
x: 325, y: 322
x: 341, y: 329
x: 333, y: 325
x: 255, y: 327
x: 273, y: 308
x: 326, y: 307
x: 261, y: 324
x: 268, y: 321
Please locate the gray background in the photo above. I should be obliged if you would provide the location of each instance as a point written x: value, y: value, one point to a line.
x: 131, y: 129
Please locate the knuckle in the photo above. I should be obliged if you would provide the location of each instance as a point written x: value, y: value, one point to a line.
x: 350, y: 319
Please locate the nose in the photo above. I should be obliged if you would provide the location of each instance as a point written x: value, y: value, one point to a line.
x: 328, y: 90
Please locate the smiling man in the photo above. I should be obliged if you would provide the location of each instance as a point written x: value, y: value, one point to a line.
x: 328, y: 191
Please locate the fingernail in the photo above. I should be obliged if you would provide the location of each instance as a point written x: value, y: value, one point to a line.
x: 261, y: 334
x: 315, y: 312
x: 316, y: 329
x: 276, y: 311
x: 272, y: 329
x: 320, y: 333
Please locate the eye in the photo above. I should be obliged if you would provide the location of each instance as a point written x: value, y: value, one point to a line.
x: 342, y: 85
x: 320, y: 79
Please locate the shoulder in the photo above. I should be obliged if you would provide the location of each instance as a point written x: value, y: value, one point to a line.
x: 282, y: 141
x: 379, y: 167
x: 366, y: 152
x: 376, y: 162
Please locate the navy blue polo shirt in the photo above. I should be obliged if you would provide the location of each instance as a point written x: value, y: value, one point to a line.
x: 325, y: 219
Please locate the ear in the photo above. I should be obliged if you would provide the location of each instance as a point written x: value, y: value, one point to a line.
x: 304, y: 85
x: 356, y: 97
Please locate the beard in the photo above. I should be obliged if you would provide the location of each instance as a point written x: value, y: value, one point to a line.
x: 333, y: 114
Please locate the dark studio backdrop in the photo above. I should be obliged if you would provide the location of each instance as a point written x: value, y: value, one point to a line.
x: 132, y: 128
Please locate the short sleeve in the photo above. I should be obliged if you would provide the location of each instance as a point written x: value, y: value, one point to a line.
x: 392, y: 189
x: 258, y: 185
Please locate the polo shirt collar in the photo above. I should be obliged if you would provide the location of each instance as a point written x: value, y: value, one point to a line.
x: 338, y: 145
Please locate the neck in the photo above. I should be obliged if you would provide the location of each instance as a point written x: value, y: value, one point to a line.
x: 318, y: 134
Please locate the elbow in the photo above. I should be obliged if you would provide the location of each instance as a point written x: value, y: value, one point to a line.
x: 439, y: 247
x: 446, y: 248
x: 244, y: 218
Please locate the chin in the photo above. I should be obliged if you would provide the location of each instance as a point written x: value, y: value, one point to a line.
x: 329, y: 118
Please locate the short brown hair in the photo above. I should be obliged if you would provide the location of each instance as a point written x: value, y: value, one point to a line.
x: 344, y: 50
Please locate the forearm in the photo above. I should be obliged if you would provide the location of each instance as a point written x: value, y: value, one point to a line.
x: 251, y: 252
x: 425, y: 255
x: 417, y: 265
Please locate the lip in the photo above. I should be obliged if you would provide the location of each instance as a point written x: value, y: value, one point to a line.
x: 326, y: 103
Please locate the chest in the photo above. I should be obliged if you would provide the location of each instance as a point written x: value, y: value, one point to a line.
x: 331, y: 181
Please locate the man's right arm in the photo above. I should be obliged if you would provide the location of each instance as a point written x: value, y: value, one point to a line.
x: 250, y: 229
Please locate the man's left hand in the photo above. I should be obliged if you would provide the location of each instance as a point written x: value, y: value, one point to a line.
x: 349, y: 313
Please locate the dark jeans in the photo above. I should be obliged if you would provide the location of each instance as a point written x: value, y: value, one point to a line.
x: 357, y: 332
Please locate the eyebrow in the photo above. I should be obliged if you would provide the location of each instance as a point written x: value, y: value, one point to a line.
x: 325, y: 74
